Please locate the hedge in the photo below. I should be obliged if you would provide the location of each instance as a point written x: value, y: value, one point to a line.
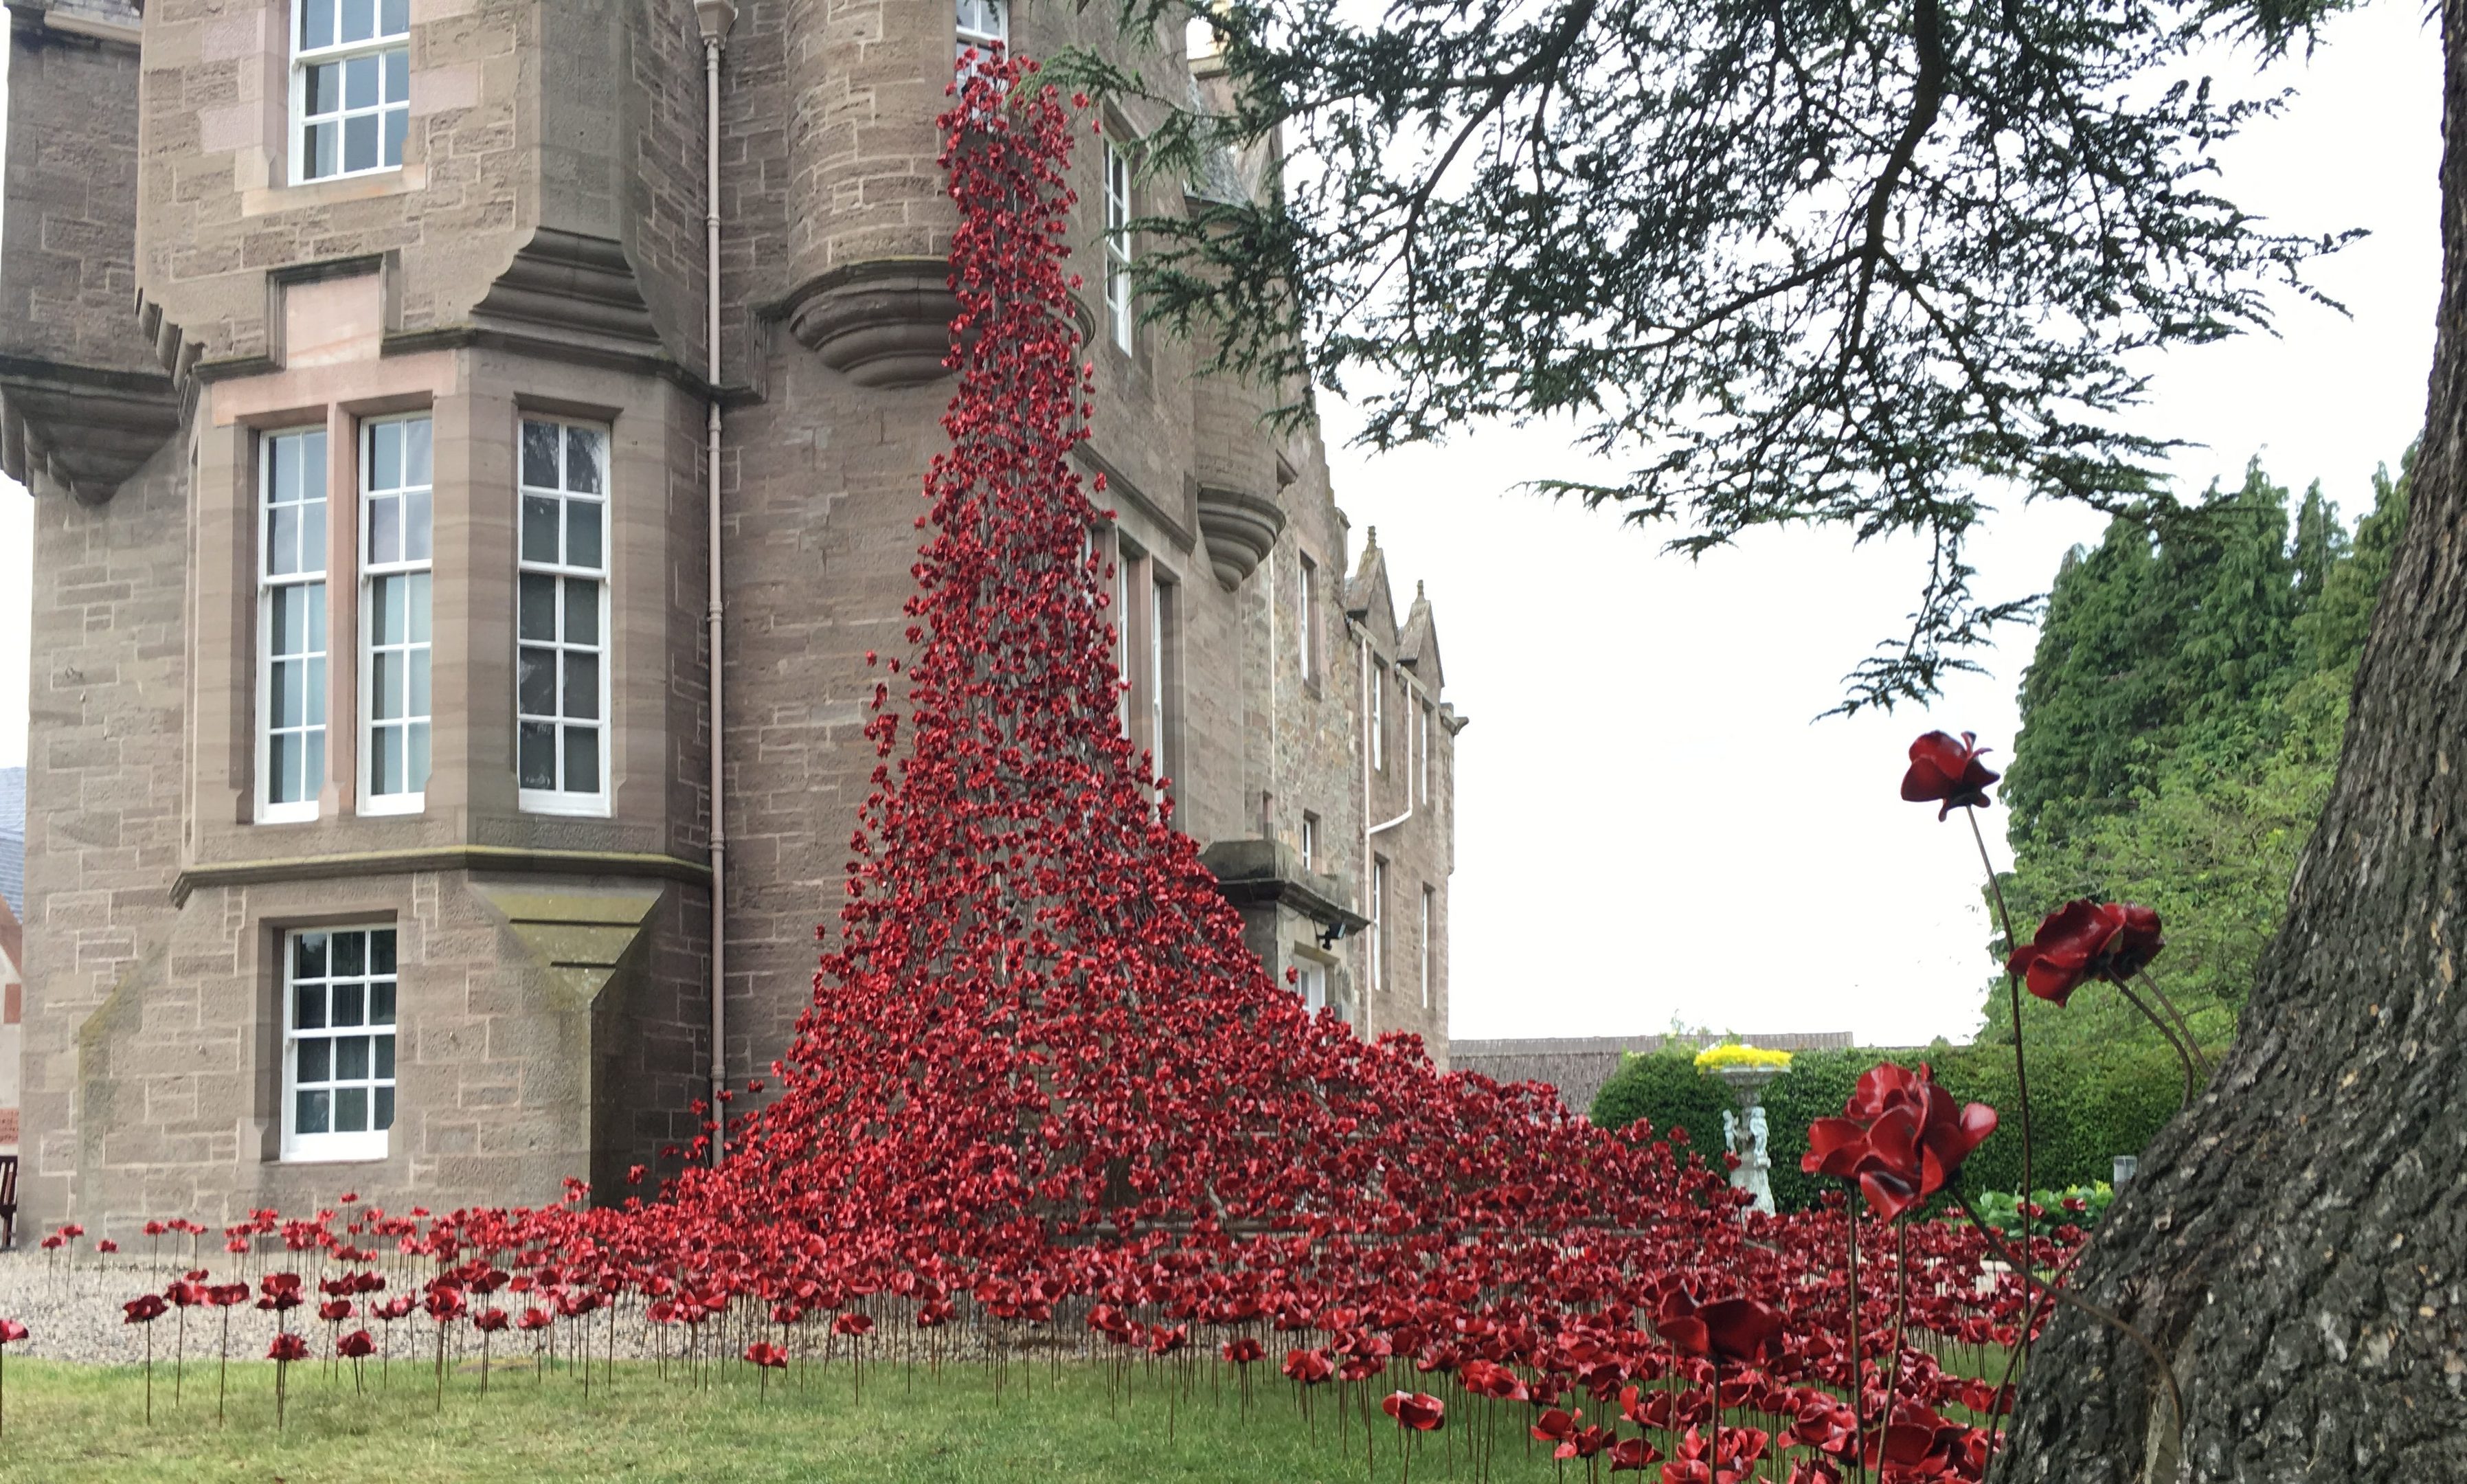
x: 2087, y: 1107
x: 1665, y: 1086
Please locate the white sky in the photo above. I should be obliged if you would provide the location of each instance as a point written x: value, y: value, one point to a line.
x: 1649, y: 823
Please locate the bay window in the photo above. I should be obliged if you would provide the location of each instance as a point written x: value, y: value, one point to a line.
x: 395, y: 517
x: 338, y: 1044
x: 351, y: 87
x: 562, y: 625
x: 291, y: 625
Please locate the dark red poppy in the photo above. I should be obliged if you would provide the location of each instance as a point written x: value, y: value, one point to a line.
x: 1901, y: 1137
x: 288, y: 1347
x: 12, y: 1332
x: 1310, y: 1367
x: 1945, y: 769
x: 489, y: 1321
x: 1556, y: 1424
x: 144, y: 1308
x: 1243, y: 1350
x: 1633, y: 1455
x: 1417, y: 1410
x: 768, y: 1355
x: 2086, y: 940
x: 1733, y: 1331
x: 355, y: 1346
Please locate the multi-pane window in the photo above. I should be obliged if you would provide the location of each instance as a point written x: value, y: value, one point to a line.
x: 1425, y: 724
x: 1310, y: 982
x: 291, y: 625
x: 394, y: 621
x: 1306, y: 617
x: 1118, y: 245
x: 1378, y: 924
x: 1430, y: 901
x: 1123, y: 561
x: 1405, y: 710
x: 338, y: 994
x: 350, y: 86
x: 561, y: 674
x: 984, y: 25
x: 1379, y: 715
x: 1159, y: 636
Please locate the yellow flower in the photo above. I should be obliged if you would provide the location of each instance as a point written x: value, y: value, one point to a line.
x: 1735, y: 1054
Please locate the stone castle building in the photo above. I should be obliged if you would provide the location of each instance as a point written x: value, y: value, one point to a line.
x: 390, y: 487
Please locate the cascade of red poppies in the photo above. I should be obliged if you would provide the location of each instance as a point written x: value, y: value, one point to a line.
x: 1039, y: 1020
x: 1042, y: 1079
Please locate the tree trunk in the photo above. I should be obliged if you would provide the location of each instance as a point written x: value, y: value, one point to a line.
x: 2297, y: 1244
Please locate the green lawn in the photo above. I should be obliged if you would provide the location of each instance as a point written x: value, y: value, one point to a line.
x: 67, y: 1424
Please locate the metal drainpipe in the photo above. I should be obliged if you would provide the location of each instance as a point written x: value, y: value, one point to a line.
x: 715, y: 17
x: 1370, y: 944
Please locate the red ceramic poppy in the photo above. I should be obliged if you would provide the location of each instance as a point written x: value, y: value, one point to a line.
x: 768, y: 1355
x: 288, y: 1347
x: 358, y: 1345
x: 144, y: 1308
x: 1417, y: 1410
x: 1946, y: 771
x: 2086, y: 940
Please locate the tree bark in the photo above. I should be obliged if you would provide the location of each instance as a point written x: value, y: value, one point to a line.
x: 2297, y: 1243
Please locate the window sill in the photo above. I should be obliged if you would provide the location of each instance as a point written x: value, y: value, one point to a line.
x: 389, y: 804
x: 285, y: 814
x: 534, y: 801
x: 368, y: 185
x: 340, y: 1157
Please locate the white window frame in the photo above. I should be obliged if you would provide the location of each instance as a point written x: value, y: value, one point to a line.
x: 1117, y: 246
x: 984, y: 26
x: 560, y: 800
x: 1378, y: 924
x: 415, y: 506
x: 1123, y: 656
x: 1429, y: 900
x: 317, y: 708
x: 1161, y: 596
x: 1310, y: 982
x: 382, y: 44
x: 358, y: 1145
x: 1379, y: 715
x: 1424, y: 723
x: 1310, y: 840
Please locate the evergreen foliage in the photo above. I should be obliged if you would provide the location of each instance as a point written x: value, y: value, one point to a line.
x: 2180, y: 722
x: 1778, y: 261
x: 1665, y: 1086
x: 2088, y: 1105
